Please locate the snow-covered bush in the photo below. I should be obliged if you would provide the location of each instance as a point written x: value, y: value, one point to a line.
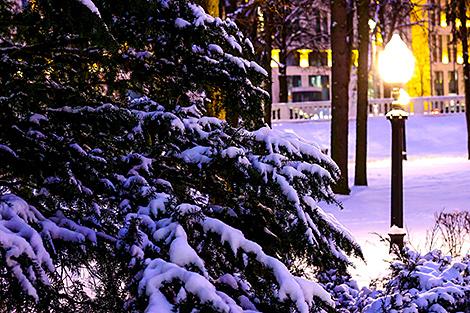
x: 429, y: 283
x: 118, y: 194
x: 345, y: 292
x: 414, y: 283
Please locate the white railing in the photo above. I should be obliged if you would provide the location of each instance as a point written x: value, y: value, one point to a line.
x: 321, y: 110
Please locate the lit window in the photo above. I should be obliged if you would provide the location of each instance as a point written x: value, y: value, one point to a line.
x: 459, y: 53
x: 445, y: 57
x: 294, y: 81
x: 443, y: 19
x: 303, y: 62
x: 322, y: 82
x: 329, y: 59
x: 314, y: 80
x: 275, y: 57
x: 439, y: 83
x: 453, y: 82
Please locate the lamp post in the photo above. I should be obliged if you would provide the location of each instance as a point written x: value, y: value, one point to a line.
x: 396, y: 66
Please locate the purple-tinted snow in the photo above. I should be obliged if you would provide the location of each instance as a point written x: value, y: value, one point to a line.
x: 436, y: 177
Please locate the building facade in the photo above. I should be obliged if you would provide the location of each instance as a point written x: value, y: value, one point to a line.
x: 446, y: 56
x: 308, y: 70
x: 308, y: 80
x: 438, y: 69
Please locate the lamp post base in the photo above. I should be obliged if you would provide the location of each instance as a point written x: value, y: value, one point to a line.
x: 396, y: 240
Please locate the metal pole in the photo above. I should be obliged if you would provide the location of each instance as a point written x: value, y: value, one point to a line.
x: 398, y: 123
x: 405, y: 154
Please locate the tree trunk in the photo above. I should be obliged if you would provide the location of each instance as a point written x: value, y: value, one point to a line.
x: 210, y: 6
x: 341, y: 56
x: 283, y: 36
x: 360, y: 177
x: 268, y: 32
x: 283, y: 90
x: 466, y: 66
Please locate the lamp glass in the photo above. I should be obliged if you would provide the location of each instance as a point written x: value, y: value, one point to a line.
x: 403, y: 97
x: 396, y: 62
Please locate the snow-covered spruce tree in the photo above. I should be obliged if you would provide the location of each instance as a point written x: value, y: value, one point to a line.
x: 345, y: 291
x: 118, y: 194
x: 195, y: 52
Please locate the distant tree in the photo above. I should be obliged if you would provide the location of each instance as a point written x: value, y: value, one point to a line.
x: 295, y: 27
x: 391, y: 16
x: 287, y: 25
x: 363, y: 16
x: 341, y: 38
x: 457, y: 11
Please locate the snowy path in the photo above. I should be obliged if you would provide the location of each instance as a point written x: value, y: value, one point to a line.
x: 436, y: 177
x: 430, y: 185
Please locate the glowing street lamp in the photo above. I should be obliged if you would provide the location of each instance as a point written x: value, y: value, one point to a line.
x: 396, y: 62
x: 396, y: 66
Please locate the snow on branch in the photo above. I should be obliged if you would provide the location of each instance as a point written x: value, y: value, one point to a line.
x: 285, y: 160
x: 300, y: 291
x: 277, y: 142
x: 91, y: 6
x: 158, y: 272
x: 19, y: 238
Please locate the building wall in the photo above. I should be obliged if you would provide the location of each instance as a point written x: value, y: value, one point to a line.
x: 446, y: 57
x: 304, y: 73
x: 431, y: 43
x: 420, y: 83
x: 307, y: 60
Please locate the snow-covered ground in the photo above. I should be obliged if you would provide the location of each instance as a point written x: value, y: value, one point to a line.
x: 436, y: 177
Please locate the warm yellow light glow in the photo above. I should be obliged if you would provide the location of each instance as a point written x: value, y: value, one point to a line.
x: 355, y: 57
x: 467, y: 23
x: 420, y: 43
x: 275, y: 57
x: 94, y: 67
x: 378, y: 38
x: 304, y: 57
x: 396, y: 62
x: 404, y: 97
x: 443, y: 19
x: 329, y: 60
x: 459, y: 53
x: 445, y: 58
x: 458, y: 23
